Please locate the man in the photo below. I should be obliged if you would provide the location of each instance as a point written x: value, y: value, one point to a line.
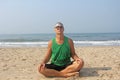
x: 60, y: 50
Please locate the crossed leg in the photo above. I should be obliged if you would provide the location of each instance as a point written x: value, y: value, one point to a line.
x: 52, y: 73
x: 71, y: 70
x: 75, y: 67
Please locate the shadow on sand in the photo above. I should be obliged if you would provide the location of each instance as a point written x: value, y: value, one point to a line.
x: 91, y: 72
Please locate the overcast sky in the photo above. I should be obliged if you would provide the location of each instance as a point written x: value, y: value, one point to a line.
x: 78, y: 16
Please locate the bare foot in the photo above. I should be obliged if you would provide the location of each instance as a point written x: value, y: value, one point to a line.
x: 71, y: 74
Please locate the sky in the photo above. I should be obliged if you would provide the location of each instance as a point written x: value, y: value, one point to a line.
x: 78, y: 16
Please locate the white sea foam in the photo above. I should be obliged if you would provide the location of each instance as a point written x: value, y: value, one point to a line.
x: 23, y: 44
x: 44, y: 44
x: 98, y: 43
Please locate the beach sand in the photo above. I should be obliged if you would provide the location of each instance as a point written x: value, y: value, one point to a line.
x: 101, y: 63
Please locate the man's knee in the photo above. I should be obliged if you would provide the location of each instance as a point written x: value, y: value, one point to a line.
x: 79, y: 64
x: 40, y: 70
x: 43, y: 72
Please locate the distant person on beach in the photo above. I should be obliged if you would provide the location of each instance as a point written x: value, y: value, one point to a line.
x: 60, y: 50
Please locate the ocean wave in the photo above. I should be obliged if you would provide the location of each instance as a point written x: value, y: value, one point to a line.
x: 98, y: 43
x: 23, y: 44
x: 45, y: 43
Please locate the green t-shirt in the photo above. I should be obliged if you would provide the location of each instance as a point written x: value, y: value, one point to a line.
x: 60, y: 52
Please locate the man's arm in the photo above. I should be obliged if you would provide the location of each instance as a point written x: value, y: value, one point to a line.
x: 47, y: 55
x: 73, y: 54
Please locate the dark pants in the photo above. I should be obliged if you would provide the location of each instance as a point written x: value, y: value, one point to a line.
x: 56, y: 67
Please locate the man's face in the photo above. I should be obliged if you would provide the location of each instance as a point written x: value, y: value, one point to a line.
x: 59, y: 29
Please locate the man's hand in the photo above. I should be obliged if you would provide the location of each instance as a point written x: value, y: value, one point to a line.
x: 42, y: 66
x: 78, y: 60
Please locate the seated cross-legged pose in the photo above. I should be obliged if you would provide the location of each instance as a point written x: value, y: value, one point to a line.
x: 60, y: 51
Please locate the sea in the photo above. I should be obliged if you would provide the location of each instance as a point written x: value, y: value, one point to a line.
x: 41, y: 39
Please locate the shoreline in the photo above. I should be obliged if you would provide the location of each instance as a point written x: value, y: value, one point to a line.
x: 45, y: 43
x: 76, y: 46
x: 21, y: 63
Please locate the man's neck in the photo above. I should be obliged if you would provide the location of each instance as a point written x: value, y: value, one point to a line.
x: 60, y: 37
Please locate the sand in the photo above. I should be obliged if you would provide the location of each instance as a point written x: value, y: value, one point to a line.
x: 101, y: 63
